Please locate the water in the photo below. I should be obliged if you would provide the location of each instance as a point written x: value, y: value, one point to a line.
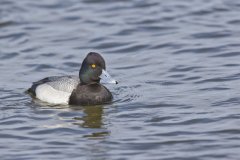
x: 177, y: 63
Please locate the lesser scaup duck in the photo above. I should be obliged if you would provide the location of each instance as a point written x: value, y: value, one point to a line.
x: 83, y: 90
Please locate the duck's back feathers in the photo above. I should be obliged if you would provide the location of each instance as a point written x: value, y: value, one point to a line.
x: 56, y: 89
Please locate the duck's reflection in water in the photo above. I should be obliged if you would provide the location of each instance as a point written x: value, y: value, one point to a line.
x: 92, y: 119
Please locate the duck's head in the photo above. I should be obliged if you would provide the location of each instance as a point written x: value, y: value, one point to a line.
x: 93, y: 70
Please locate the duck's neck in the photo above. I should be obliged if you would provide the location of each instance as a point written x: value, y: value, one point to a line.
x: 82, y: 83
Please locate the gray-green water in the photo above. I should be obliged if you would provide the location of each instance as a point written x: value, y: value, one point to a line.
x: 178, y: 67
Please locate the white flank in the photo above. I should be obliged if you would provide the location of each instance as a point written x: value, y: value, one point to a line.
x: 46, y: 93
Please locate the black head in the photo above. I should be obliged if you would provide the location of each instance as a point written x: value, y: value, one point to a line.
x: 91, y: 68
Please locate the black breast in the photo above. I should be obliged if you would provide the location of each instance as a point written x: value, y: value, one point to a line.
x: 91, y: 94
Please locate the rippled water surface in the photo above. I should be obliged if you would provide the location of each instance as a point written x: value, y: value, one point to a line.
x: 178, y: 64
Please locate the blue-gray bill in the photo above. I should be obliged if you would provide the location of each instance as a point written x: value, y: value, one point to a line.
x: 106, y: 78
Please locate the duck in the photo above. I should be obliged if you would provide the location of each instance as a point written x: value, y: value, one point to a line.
x: 84, y: 89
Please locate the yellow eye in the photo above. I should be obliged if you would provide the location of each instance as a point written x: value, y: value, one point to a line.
x: 93, y: 65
